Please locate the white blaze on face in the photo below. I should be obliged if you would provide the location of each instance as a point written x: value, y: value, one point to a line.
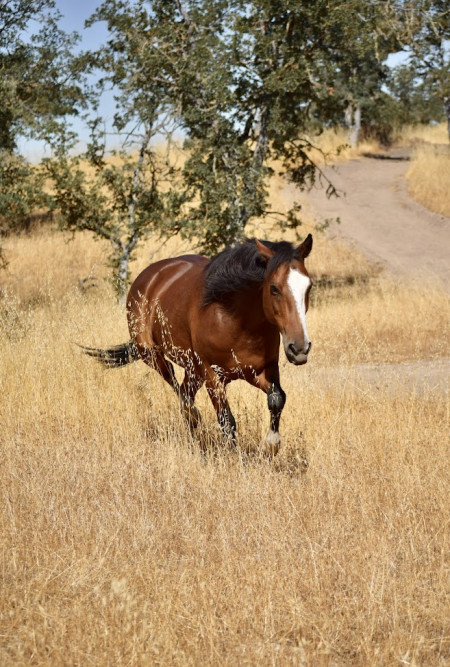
x: 298, y: 283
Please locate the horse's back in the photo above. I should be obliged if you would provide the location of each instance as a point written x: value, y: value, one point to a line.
x: 162, y: 298
x: 160, y: 276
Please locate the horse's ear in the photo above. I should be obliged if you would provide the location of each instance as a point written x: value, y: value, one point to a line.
x: 265, y: 252
x: 304, y: 248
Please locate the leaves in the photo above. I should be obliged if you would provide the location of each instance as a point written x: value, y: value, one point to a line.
x: 38, y: 83
x: 21, y: 192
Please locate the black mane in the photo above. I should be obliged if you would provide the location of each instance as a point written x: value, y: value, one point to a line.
x: 242, y: 267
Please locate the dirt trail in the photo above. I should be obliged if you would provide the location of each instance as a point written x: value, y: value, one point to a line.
x: 379, y: 218
x: 423, y: 377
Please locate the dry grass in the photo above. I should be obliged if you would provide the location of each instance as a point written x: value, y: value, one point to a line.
x: 413, y: 135
x: 428, y: 174
x: 121, y: 544
x: 336, y: 145
x: 428, y: 178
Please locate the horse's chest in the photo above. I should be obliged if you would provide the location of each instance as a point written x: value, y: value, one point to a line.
x: 242, y: 355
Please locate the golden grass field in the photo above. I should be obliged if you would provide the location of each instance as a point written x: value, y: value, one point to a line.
x: 414, y: 135
x: 121, y: 544
x: 428, y: 175
x: 428, y: 178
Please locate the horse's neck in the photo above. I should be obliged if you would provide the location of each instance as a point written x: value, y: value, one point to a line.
x: 248, y: 307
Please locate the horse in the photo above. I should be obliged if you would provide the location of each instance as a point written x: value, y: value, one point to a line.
x: 220, y: 319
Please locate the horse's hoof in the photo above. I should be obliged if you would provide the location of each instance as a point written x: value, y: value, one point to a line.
x: 271, y: 445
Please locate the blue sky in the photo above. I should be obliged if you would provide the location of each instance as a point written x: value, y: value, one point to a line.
x: 74, y: 16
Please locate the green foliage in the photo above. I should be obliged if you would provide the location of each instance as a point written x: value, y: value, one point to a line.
x: 248, y: 83
x: 21, y: 192
x: 416, y: 99
x: 121, y: 200
x: 37, y: 85
x: 38, y: 89
x: 424, y: 32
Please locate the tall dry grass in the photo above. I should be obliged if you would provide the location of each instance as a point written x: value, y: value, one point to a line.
x: 413, y: 135
x: 429, y: 178
x: 122, y: 544
x: 428, y: 175
x: 334, y: 145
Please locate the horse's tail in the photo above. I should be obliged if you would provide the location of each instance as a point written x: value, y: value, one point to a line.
x: 114, y: 357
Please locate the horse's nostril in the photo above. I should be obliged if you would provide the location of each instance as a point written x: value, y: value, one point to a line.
x: 293, y: 349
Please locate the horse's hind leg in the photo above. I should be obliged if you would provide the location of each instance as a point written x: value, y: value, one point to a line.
x: 186, y: 392
x: 217, y: 393
x: 156, y: 360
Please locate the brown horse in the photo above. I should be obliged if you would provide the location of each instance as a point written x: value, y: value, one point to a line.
x: 221, y: 320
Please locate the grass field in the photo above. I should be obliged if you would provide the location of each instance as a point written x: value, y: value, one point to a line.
x: 428, y: 178
x: 413, y: 135
x: 430, y: 166
x: 122, y: 545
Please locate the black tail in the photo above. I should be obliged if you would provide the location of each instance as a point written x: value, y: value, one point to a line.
x: 114, y: 357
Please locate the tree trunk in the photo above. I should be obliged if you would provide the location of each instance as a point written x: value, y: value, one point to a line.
x: 122, y: 275
x: 447, y: 113
x: 356, y: 126
x: 259, y: 157
x: 124, y: 250
x: 353, y: 123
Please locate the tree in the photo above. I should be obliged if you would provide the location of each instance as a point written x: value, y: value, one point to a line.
x: 22, y: 192
x: 261, y: 76
x: 37, y: 91
x: 121, y: 200
x: 416, y: 99
x: 133, y: 192
x: 37, y: 84
x: 423, y: 29
x: 248, y: 84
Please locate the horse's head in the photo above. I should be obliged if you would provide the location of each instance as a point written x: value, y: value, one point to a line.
x: 286, y: 299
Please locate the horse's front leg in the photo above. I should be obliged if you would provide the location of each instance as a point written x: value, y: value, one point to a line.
x: 269, y: 382
x: 276, y: 398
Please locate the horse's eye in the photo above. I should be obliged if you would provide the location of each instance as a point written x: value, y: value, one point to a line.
x: 274, y: 290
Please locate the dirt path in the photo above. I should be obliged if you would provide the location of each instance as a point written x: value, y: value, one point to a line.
x: 424, y: 377
x: 379, y: 218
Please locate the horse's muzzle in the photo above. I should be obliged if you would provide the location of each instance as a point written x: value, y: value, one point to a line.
x: 296, y: 354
